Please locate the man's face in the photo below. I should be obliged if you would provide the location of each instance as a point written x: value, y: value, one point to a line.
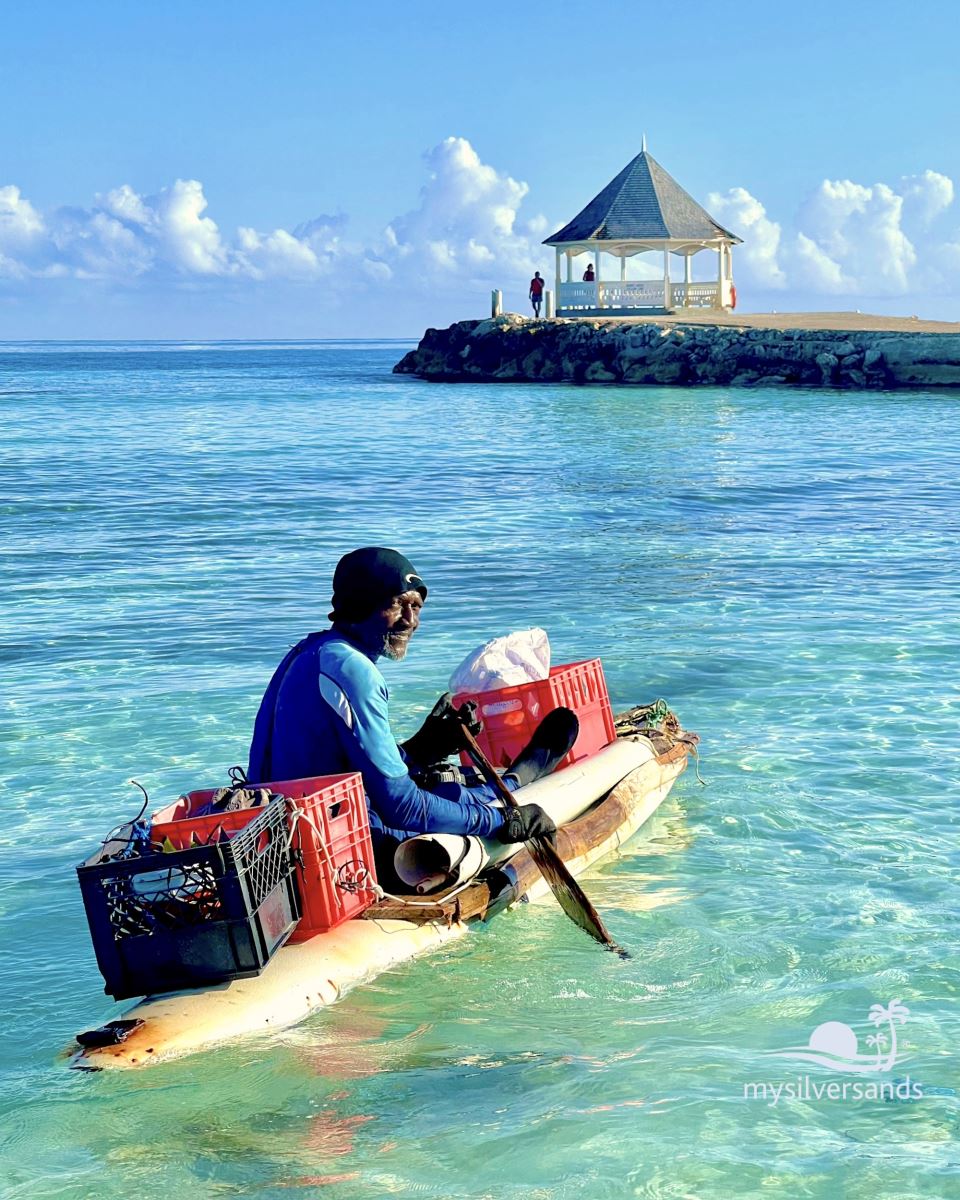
x: 392, y: 627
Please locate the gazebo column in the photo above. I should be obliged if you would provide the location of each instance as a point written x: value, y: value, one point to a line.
x: 667, y: 298
x: 687, y: 278
x: 720, y: 277
x: 569, y: 266
x: 596, y: 271
x: 623, y: 268
x: 557, y: 275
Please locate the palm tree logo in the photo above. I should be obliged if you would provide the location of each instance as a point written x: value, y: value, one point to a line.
x: 894, y: 1014
x: 834, y: 1044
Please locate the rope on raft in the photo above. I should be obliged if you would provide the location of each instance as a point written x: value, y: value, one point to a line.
x: 658, y: 723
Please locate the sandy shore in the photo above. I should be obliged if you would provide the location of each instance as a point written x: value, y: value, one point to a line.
x: 847, y: 321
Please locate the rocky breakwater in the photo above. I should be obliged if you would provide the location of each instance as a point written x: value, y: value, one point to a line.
x: 512, y: 349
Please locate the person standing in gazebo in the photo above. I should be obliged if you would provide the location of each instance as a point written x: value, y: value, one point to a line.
x: 588, y: 275
x: 536, y: 293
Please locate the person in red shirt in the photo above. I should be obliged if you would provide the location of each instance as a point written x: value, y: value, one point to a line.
x: 536, y: 293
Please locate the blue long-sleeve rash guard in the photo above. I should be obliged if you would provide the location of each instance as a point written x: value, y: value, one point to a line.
x: 325, y: 712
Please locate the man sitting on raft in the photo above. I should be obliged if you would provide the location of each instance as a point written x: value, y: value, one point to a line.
x: 325, y: 712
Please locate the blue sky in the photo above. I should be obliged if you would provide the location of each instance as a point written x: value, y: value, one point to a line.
x: 309, y: 170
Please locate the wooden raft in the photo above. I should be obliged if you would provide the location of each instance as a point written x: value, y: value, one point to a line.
x: 574, y: 839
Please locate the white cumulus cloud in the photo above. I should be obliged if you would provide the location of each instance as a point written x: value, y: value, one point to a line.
x: 103, y: 246
x: 860, y: 229
x: 465, y: 229
x: 21, y: 226
x: 818, y: 269
x: 746, y: 216
x: 20, y: 222
x: 311, y: 251
x: 122, y: 236
x: 191, y: 240
x: 124, y: 203
x: 847, y: 239
x: 926, y: 195
x: 125, y: 236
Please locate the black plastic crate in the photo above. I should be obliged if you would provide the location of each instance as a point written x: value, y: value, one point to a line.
x: 190, y: 918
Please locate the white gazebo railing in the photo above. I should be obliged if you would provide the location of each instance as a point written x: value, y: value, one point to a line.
x: 578, y: 295
x: 696, y: 295
x: 632, y: 293
x: 638, y: 293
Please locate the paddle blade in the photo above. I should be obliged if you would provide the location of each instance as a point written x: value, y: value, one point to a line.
x: 570, y: 895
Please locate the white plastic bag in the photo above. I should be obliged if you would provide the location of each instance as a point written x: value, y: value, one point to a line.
x: 521, y: 657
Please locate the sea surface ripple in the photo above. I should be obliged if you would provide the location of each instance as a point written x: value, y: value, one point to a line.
x: 780, y: 565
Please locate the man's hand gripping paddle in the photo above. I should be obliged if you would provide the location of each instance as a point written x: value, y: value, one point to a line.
x: 570, y: 895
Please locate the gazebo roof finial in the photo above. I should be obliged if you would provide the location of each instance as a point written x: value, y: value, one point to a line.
x: 643, y: 145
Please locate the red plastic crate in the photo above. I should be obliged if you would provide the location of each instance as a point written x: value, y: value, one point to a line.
x: 511, y: 714
x: 338, y: 869
x: 337, y: 854
x: 176, y: 823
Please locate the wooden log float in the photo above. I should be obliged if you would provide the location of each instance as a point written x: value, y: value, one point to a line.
x: 310, y: 975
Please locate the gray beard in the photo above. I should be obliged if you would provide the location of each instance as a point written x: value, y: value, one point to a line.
x: 395, y: 647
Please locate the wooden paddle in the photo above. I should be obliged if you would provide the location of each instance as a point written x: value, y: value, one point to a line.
x: 570, y: 895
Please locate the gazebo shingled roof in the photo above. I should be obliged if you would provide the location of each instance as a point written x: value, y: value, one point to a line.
x: 643, y: 201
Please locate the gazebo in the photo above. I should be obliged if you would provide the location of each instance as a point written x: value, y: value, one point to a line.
x: 643, y: 209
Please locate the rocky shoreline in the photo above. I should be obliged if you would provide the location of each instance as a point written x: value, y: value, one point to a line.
x: 511, y: 348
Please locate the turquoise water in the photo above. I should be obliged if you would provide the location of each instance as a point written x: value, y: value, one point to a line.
x: 780, y: 565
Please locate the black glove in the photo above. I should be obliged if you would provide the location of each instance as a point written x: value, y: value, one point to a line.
x: 429, y: 778
x: 527, y: 821
x: 441, y: 734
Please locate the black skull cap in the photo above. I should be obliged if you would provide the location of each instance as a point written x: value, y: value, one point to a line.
x: 367, y: 579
